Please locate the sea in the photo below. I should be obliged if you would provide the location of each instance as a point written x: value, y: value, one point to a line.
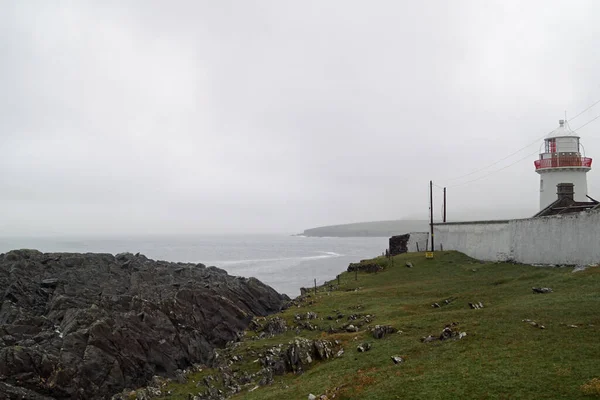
x: 284, y: 262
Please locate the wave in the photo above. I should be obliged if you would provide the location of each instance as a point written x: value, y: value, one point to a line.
x: 324, y: 254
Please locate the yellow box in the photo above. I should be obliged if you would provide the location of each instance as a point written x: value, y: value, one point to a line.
x: 429, y: 254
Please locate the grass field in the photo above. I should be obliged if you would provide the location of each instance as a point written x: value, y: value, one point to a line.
x: 502, y: 357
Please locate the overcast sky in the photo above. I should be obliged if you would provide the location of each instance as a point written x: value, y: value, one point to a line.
x: 276, y: 116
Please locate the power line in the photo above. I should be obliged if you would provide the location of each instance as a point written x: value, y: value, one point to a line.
x: 589, y: 122
x: 502, y: 159
x: 493, y: 172
x: 522, y: 148
x: 584, y: 110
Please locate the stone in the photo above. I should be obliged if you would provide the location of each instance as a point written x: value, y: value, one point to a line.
x: 49, y: 283
x: 275, y: 326
x: 534, y: 324
x: 428, y: 339
x: 351, y: 328
x: 397, y: 359
x: 363, y: 347
x: 542, y: 290
x: 312, y: 397
x: 380, y: 331
x: 323, y: 349
x: 409, y: 264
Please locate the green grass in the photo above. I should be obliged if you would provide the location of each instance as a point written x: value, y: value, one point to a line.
x: 501, y: 357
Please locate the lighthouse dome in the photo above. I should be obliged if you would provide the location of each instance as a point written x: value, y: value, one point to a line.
x: 563, y: 130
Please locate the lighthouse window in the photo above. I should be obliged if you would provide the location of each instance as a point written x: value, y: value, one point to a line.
x: 541, y: 185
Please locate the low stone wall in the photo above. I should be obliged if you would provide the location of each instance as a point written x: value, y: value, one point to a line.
x: 560, y: 239
x: 410, y: 242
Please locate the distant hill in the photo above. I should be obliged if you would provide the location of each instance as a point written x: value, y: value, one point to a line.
x: 364, y: 229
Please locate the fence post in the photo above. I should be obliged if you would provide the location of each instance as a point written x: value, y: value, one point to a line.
x: 338, y: 280
x: 356, y: 273
x: 315, y: 285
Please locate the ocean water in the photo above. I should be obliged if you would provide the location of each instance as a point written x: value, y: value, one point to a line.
x: 284, y: 262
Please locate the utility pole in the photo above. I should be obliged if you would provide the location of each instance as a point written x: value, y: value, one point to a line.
x: 431, y: 213
x: 444, y: 205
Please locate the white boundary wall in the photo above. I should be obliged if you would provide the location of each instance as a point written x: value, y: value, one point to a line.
x: 559, y: 239
x: 417, y: 237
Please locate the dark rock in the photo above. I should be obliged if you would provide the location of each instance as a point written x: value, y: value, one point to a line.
x: 363, y: 347
x: 380, y: 331
x: 275, y: 326
x: 542, y: 290
x: 82, y: 326
x: 49, y: 283
x: 476, y: 306
x: 323, y: 349
x: 302, y: 352
x: 399, y: 244
x: 397, y: 359
x: 365, y: 267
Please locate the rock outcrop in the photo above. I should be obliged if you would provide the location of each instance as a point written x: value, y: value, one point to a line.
x: 369, y: 267
x: 86, y: 326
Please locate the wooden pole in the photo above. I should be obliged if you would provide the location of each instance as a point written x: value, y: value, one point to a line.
x: 444, y: 205
x: 315, y: 285
x: 431, y: 212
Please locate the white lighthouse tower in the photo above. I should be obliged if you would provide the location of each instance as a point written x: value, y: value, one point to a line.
x: 562, y: 162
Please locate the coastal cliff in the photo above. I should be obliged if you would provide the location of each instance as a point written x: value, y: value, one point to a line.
x: 89, y: 325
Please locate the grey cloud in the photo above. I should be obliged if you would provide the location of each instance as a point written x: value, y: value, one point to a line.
x: 274, y: 116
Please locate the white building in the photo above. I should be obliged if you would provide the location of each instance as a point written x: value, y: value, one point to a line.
x: 562, y: 162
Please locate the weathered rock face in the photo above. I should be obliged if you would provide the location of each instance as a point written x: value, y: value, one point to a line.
x: 364, y: 267
x: 399, y: 244
x: 85, y: 326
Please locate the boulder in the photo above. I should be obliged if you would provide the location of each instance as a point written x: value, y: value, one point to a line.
x: 275, y: 326
x: 380, y: 331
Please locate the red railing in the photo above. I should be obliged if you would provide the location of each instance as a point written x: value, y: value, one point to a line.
x: 565, y: 161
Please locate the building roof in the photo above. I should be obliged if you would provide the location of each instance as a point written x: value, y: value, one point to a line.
x: 567, y: 205
x: 562, y: 131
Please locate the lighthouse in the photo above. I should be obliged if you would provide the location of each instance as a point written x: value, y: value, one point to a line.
x: 562, y: 162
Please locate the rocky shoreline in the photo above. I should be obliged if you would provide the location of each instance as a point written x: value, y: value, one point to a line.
x: 87, y: 326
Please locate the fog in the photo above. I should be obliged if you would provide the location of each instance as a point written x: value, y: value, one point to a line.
x: 276, y: 116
